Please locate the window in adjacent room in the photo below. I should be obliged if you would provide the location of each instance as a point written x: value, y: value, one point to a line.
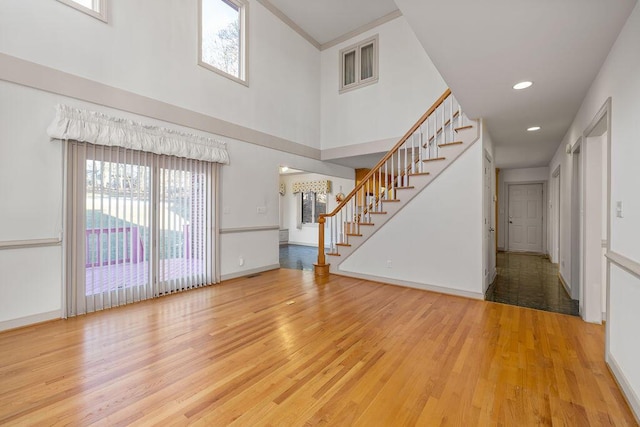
x: 313, y: 205
x: 359, y: 64
x: 95, y: 8
x: 223, y: 38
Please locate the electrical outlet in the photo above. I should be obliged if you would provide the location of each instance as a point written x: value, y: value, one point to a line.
x: 226, y: 210
x: 262, y: 209
x: 389, y: 263
x: 241, y: 261
x: 619, y: 213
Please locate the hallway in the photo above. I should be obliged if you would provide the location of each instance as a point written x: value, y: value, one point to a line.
x: 530, y: 281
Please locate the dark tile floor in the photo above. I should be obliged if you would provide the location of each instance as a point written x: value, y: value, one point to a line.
x: 298, y: 257
x: 530, y: 281
x: 523, y: 280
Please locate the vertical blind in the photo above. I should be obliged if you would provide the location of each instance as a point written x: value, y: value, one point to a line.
x: 139, y: 225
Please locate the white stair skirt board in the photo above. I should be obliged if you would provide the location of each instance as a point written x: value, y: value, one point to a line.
x: 414, y: 285
x: 419, y: 182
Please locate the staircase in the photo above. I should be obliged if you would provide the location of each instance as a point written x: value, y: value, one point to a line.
x: 437, y: 139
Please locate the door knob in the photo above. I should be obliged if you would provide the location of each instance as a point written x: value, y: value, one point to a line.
x: 510, y: 222
x: 492, y: 229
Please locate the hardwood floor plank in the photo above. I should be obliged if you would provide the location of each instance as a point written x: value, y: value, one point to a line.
x: 285, y: 348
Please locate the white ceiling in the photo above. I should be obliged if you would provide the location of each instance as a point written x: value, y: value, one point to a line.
x: 493, y: 44
x: 482, y: 48
x: 326, y: 20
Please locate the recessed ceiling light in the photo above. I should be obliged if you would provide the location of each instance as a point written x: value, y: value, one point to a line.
x: 533, y: 128
x: 284, y: 168
x: 522, y: 85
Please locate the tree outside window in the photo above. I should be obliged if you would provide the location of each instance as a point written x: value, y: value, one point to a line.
x: 222, y: 37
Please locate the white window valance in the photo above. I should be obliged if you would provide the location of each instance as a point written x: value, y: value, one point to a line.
x: 320, y: 187
x: 100, y: 129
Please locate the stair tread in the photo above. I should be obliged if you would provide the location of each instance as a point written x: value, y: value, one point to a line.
x: 450, y: 143
x: 354, y: 234
x: 390, y: 200
x: 361, y: 223
x: 419, y: 173
x: 409, y: 187
x: 343, y: 244
x: 378, y: 213
x: 333, y: 254
x: 463, y: 128
x: 434, y: 159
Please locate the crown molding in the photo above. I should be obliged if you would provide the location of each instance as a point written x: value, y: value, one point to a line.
x: 284, y: 18
x: 366, y: 27
x: 322, y: 46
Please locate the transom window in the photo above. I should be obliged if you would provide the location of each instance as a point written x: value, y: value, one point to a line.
x: 95, y: 8
x: 313, y: 205
x: 359, y: 64
x: 223, y: 39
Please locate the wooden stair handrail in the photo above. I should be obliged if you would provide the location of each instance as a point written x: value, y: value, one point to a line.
x: 322, y: 268
x: 391, y: 152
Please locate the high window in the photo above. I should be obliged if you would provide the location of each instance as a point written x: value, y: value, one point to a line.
x: 359, y: 64
x: 95, y: 8
x: 223, y: 38
x: 313, y: 205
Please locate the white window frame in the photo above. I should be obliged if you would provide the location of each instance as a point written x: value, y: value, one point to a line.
x: 314, y: 215
x: 357, y: 48
x: 99, y: 10
x: 243, y: 66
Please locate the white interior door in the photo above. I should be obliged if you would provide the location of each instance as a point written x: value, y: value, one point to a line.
x: 525, y: 217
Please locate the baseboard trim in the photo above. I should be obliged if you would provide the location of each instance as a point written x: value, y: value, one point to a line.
x: 414, y: 285
x: 249, y: 229
x: 245, y: 273
x: 30, y: 320
x: 564, y: 284
x: 314, y: 245
x: 627, y: 391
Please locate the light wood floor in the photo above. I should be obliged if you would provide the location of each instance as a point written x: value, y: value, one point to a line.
x: 283, y: 349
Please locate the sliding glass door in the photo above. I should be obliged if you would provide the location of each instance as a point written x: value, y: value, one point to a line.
x: 139, y: 226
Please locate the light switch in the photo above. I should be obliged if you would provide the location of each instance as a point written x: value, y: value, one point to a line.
x: 619, y: 209
x: 262, y: 209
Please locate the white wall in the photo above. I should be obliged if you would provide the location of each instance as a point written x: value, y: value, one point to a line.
x: 151, y: 50
x: 308, y: 234
x: 408, y: 84
x: 31, y: 194
x: 436, y: 240
x: 618, y: 79
x: 515, y: 176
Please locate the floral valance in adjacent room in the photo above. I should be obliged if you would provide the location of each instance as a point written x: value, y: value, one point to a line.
x: 97, y: 128
x: 321, y: 187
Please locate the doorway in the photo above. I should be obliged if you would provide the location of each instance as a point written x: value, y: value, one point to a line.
x: 554, y: 208
x: 576, y: 223
x: 525, y: 218
x: 489, y: 223
x: 595, y: 195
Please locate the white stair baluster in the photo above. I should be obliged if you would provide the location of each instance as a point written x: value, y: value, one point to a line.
x: 420, y: 139
x: 451, y: 119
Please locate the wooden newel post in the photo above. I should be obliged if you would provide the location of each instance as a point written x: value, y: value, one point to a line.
x: 321, y: 268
